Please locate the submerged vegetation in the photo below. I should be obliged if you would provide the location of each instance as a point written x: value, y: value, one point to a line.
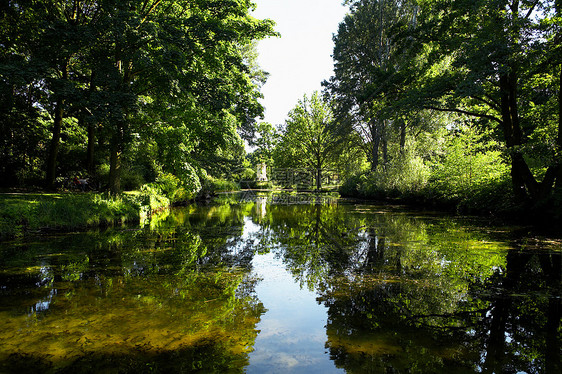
x: 32, y: 213
x: 114, y: 110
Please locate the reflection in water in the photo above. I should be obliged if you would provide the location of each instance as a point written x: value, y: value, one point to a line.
x: 267, y: 285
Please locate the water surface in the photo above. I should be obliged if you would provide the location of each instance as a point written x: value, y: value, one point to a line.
x: 284, y: 284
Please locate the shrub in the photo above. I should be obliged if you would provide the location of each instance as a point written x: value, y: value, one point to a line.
x: 190, y: 182
x: 404, y: 176
x: 350, y: 187
x: 174, y: 189
x: 470, y: 173
x: 212, y: 186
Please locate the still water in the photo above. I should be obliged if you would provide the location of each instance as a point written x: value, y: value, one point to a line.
x: 284, y: 284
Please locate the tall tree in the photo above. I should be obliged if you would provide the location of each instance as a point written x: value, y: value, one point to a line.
x: 265, y: 143
x: 23, y: 131
x: 180, y: 53
x: 484, y: 65
x: 308, y: 138
x: 178, y: 75
x: 369, y: 66
x: 49, y: 38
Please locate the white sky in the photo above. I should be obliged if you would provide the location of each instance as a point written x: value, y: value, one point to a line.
x: 300, y: 59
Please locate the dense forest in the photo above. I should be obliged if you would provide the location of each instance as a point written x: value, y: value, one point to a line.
x: 126, y: 91
x: 456, y: 103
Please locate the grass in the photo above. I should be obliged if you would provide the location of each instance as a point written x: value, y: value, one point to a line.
x: 21, y: 213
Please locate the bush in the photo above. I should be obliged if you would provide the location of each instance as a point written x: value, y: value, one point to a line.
x: 190, y: 183
x: 469, y: 174
x: 350, y: 187
x: 174, y: 189
x: 131, y: 178
x: 212, y: 186
x: 405, y: 176
x: 243, y: 174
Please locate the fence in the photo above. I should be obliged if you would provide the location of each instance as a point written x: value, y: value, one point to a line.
x: 304, y: 178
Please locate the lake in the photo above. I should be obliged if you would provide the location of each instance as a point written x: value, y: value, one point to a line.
x: 284, y: 283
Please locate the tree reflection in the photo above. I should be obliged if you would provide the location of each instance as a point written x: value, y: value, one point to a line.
x: 420, y: 294
x: 126, y: 300
x: 403, y: 292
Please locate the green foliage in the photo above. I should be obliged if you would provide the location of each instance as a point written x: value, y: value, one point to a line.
x: 244, y: 174
x: 308, y: 139
x: 371, y: 69
x: 172, y: 188
x: 145, y: 87
x: 466, y: 170
x: 211, y: 186
x: 350, y: 186
x: 404, y: 176
x: 493, y: 65
x: 267, y: 139
x: 470, y: 171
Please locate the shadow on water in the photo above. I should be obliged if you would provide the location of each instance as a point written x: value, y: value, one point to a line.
x: 400, y: 291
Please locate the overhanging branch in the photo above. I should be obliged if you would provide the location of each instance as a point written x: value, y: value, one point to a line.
x: 466, y: 112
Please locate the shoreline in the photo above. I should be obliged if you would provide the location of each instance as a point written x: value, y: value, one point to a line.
x: 38, y: 213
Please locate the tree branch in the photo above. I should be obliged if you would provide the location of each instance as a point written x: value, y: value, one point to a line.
x: 152, y: 7
x: 531, y: 9
x: 468, y: 113
x: 491, y: 104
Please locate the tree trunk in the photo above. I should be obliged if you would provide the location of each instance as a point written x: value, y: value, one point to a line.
x: 51, y: 172
x: 402, y: 137
x: 384, y: 144
x: 318, y: 178
x: 91, y: 132
x: 90, y: 149
x: 559, y: 139
x: 524, y: 184
x: 375, y: 146
x: 55, y: 145
x: 115, y: 163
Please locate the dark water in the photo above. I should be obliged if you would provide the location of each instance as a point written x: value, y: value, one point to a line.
x: 283, y: 285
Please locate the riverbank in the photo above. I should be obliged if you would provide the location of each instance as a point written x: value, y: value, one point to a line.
x: 35, y: 211
x: 23, y: 213
x: 491, y: 200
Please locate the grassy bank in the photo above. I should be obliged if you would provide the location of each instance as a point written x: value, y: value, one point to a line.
x: 491, y: 197
x: 21, y: 213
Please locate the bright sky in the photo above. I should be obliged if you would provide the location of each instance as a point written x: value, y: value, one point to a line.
x: 300, y: 59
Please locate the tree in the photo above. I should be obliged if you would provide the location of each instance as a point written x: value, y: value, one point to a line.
x: 178, y: 75
x: 267, y: 140
x: 308, y: 138
x: 23, y: 126
x: 483, y: 65
x: 182, y: 54
x: 370, y: 63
